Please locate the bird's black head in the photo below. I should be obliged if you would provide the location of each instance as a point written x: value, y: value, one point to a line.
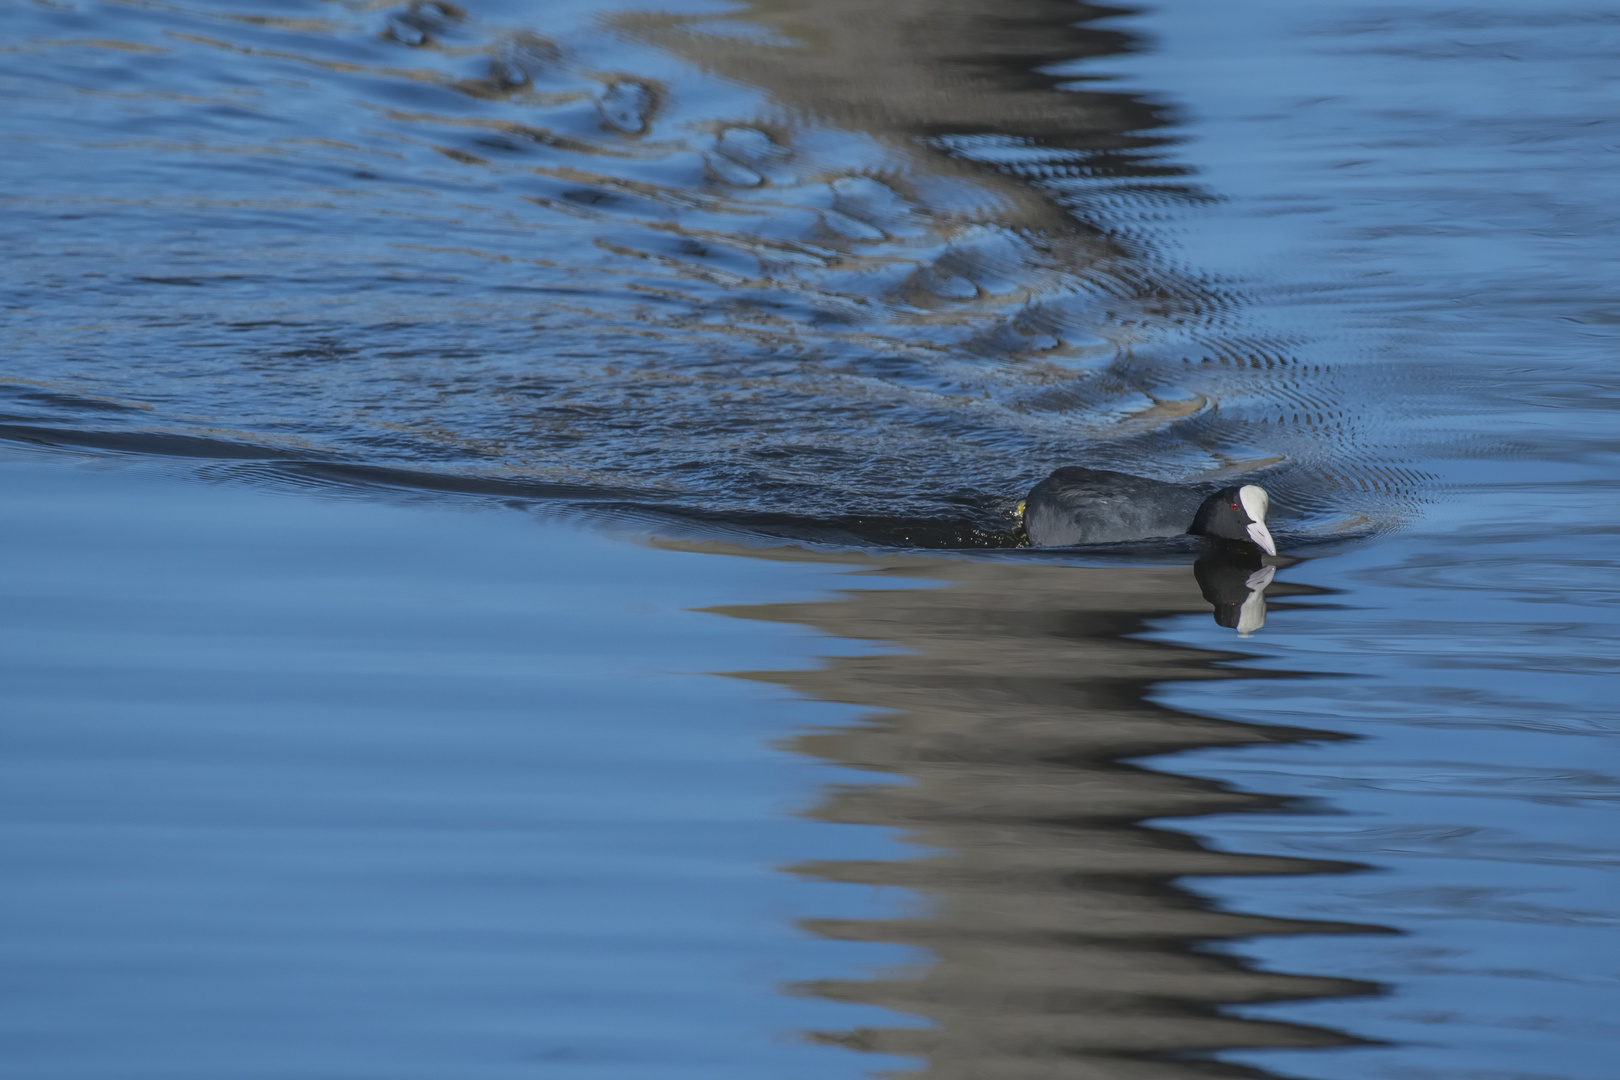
x: 1236, y: 513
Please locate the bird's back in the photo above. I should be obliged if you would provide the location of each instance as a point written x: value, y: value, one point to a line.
x: 1095, y: 506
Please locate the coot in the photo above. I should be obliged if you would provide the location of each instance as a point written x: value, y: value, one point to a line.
x: 1095, y: 506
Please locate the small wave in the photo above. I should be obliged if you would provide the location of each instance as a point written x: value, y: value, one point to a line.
x: 869, y: 289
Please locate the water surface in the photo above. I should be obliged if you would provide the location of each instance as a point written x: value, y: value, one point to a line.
x: 351, y: 738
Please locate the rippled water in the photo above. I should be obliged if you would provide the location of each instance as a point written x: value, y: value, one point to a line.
x: 853, y: 276
x: 668, y: 259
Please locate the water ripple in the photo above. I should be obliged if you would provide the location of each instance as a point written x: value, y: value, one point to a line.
x: 658, y: 257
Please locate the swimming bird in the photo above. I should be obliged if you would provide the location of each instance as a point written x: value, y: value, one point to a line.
x: 1095, y: 506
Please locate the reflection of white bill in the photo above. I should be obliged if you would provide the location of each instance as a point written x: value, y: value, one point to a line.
x: 1252, y: 615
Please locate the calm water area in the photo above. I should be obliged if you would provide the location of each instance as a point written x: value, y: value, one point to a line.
x: 510, y: 563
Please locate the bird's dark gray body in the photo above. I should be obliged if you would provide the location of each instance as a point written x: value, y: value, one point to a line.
x: 1095, y: 506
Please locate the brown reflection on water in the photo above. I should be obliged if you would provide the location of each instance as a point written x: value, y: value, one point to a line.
x: 1047, y: 265
x: 911, y: 70
x: 1061, y: 943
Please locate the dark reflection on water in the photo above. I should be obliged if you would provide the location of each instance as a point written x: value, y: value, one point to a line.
x: 1062, y: 944
x: 836, y: 271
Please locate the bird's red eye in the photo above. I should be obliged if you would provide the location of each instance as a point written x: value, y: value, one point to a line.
x: 1234, y: 506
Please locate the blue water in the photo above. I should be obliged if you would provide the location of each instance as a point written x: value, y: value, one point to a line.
x: 507, y: 510
x: 1479, y: 794
x: 315, y: 788
x: 1427, y: 190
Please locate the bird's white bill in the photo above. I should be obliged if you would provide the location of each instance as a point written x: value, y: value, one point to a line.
x: 1262, y: 536
x: 1255, y: 501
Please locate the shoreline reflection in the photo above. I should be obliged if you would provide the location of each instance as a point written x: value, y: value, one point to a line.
x: 1062, y: 942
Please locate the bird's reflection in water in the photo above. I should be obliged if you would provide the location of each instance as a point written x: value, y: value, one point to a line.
x: 1061, y: 941
x: 1235, y: 583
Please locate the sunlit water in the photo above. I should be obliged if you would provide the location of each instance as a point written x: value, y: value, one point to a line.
x: 298, y: 788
